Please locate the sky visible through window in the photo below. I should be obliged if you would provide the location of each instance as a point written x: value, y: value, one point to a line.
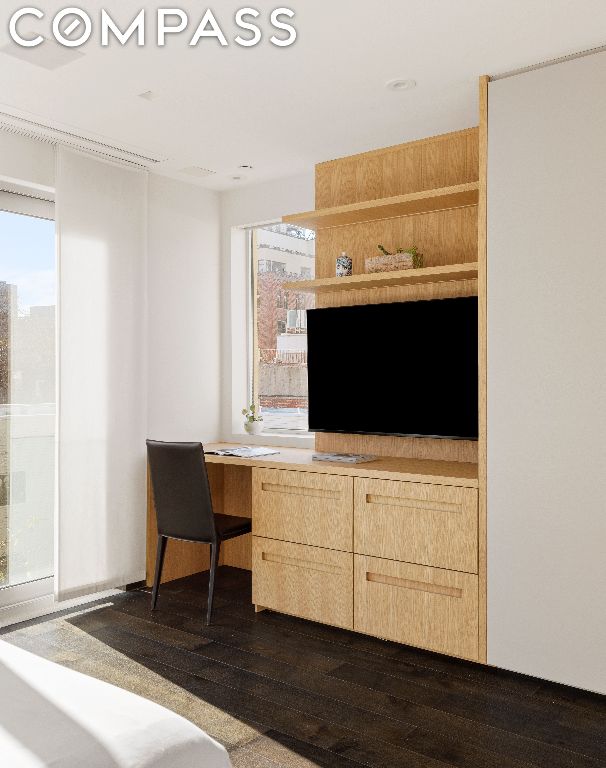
x: 27, y: 259
x: 27, y: 397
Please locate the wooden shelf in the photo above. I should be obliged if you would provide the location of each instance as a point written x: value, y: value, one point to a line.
x: 449, y: 273
x: 446, y: 198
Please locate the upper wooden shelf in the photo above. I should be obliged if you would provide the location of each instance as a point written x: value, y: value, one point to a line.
x: 386, y: 279
x: 446, y: 198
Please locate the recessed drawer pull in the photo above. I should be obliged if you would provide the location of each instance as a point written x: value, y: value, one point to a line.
x: 297, y: 490
x: 297, y: 562
x: 421, y: 586
x: 398, y: 501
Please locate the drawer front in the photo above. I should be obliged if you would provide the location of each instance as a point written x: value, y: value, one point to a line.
x: 413, y: 604
x: 420, y: 523
x: 303, y: 507
x: 310, y: 582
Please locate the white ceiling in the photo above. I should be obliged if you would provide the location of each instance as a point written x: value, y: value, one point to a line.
x: 282, y: 110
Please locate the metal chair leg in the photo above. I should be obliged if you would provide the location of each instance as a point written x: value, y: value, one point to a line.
x: 160, y: 552
x: 214, y: 561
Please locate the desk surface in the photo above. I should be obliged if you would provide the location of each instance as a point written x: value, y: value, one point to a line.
x: 385, y: 468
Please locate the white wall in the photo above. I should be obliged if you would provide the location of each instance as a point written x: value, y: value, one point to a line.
x: 27, y: 161
x: 547, y: 372
x: 255, y: 204
x: 184, y: 302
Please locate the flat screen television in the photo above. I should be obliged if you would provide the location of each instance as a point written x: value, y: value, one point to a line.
x: 407, y: 368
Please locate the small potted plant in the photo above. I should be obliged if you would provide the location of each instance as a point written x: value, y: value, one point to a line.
x: 253, y: 421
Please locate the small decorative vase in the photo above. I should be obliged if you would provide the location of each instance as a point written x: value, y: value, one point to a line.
x: 344, y: 265
x: 253, y: 427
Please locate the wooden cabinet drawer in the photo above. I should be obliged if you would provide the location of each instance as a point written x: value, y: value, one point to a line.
x: 303, y: 507
x: 433, y: 525
x: 310, y: 582
x: 417, y: 605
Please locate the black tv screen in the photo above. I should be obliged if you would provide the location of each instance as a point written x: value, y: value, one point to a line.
x: 408, y: 368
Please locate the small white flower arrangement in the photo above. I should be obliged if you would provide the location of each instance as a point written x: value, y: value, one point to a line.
x: 253, y: 421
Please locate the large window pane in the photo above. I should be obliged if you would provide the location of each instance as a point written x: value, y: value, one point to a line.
x: 27, y: 397
x: 282, y: 253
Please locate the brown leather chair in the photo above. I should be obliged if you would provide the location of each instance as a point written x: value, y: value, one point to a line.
x: 184, y: 507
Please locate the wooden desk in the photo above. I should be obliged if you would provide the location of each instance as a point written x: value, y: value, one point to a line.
x: 231, y: 487
x: 389, y: 548
x: 385, y: 468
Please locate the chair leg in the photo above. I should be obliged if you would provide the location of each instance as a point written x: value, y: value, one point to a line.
x: 160, y: 552
x: 214, y: 562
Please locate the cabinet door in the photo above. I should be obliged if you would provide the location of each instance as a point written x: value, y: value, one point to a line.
x: 546, y: 395
x: 433, y: 525
x: 413, y: 604
x: 303, y: 507
x: 310, y: 582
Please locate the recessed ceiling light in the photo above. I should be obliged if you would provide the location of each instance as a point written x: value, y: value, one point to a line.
x: 245, y: 167
x: 400, y: 84
x: 149, y: 95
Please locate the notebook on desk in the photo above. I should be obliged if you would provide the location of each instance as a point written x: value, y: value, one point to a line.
x: 243, y: 451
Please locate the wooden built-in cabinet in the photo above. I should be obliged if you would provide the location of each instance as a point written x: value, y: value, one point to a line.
x: 417, y: 523
x: 310, y: 582
x: 303, y: 507
x: 397, y: 547
x: 388, y: 558
x: 414, y: 604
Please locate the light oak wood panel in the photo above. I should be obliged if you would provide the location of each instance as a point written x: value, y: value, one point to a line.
x: 409, y: 448
x: 482, y: 351
x: 444, y: 237
x: 422, y: 291
x: 310, y: 582
x: 433, y: 525
x: 303, y: 507
x: 417, y: 605
x: 386, y: 468
x: 237, y: 500
x: 182, y: 558
x: 437, y: 161
x: 412, y: 204
x: 449, y: 273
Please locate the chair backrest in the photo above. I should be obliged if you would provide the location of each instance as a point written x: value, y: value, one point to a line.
x: 181, y: 491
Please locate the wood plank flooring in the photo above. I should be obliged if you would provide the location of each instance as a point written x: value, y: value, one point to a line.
x: 280, y: 691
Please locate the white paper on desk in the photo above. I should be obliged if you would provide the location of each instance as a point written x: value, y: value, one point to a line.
x: 244, y: 452
x: 344, y: 458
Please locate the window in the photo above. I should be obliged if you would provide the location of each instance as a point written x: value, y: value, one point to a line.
x: 27, y: 400
x: 281, y: 253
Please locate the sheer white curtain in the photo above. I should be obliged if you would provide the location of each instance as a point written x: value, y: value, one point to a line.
x: 101, y: 225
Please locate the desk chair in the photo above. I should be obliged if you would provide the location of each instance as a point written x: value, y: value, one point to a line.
x: 184, y: 507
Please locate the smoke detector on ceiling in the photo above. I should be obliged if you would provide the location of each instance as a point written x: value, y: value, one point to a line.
x: 400, y: 84
x: 149, y: 95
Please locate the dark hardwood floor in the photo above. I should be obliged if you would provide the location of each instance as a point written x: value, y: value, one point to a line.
x: 311, y: 695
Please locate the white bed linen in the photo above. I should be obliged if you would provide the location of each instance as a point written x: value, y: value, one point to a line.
x: 51, y: 716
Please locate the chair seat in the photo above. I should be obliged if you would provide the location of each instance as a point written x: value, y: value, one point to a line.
x: 229, y: 526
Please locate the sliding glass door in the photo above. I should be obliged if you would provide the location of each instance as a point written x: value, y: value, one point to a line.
x: 27, y: 398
